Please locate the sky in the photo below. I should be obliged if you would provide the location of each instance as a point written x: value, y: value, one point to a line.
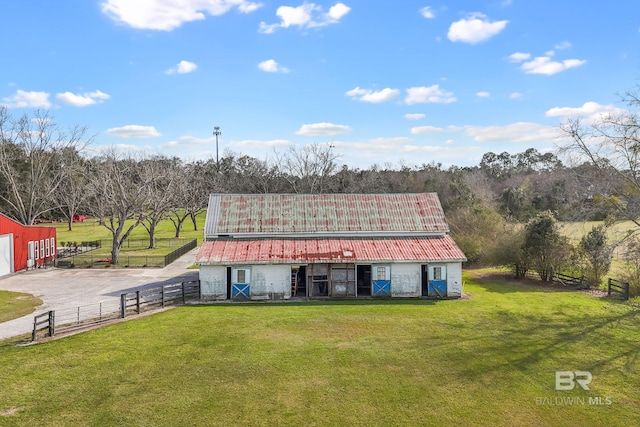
x: 388, y: 83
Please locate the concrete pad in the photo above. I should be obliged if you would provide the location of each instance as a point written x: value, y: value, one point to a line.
x: 66, y: 289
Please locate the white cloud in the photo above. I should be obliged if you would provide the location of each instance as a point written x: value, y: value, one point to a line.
x: 544, y: 65
x: 374, y: 97
x: 167, y: 15
x: 563, y: 45
x: 426, y: 130
x: 183, y: 67
x: 24, y: 99
x: 307, y: 15
x: 515, y: 95
x: 81, y: 100
x: 134, y: 131
x: 590, y: 111
x: 271, y: 66
x: 431, y: 94
x: 427, y: 12
x: 322, y: 129
x: 519, y: 57
x: 475, y: 29
x: 414, y: 116
x: 483, y: 94
x: 515, y: 132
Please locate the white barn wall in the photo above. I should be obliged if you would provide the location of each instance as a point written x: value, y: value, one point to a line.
x: 213, y: 282
x: 270, y: 281
x: 406, y: 280
x: 454, y: 279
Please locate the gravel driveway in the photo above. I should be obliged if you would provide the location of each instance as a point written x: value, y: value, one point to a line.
x: 69, y: 288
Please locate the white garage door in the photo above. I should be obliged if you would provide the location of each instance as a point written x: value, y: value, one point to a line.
x: 6, y: 254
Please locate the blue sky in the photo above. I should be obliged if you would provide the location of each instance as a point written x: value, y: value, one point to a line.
x: 386, y: 82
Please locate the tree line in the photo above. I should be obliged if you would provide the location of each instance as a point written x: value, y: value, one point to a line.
x: 45, y: 173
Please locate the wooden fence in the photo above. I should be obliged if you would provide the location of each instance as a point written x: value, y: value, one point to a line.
x: 126, y: 259
x: 66, y: 320
x: 567, y: 280
x: 618, y: 288
x: 162, y: 296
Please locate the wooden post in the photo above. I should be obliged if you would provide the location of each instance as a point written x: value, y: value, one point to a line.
x: 138, y: 302
x: 52, y: 321
x: 609, y: 287
x: 199, y: 290
x: 123, y: 305
x: 183, y: 298
x: 626, y: 291
x: 162, y: 295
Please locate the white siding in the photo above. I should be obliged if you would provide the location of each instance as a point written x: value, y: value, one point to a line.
x: 271, y: 282
x: 406, y: 280
x: 454, y: 279
x: 6, y: 254
x: 213, y: 282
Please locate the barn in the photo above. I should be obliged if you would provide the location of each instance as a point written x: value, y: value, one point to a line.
x: 278, y: 246
x: 24, y: 247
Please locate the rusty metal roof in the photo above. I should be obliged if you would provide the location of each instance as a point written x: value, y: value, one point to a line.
x: 292, y: 251
x: 287, y: 214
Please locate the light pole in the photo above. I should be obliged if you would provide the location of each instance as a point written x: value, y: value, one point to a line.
x: 216, y: 132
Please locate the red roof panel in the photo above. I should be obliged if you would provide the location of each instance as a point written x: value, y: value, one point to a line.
x: 286, y: 251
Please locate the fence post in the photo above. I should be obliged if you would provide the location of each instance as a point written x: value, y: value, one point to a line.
x: 123, y: 305
x: 626, y: 291
x: 35, y: 325
x: 183, y: 298
x: 138, y: 302
x: 52, y: 321
x: 199, y: 290
x: 162, y: 294
x: 609, y: 287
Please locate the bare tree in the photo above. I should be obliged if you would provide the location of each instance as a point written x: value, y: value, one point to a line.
x: 119, y: 197
x: 72, y: 191
x: 308, y: 169
x: 30, y: 161
x: 160, y: 175
x: 611, y: 144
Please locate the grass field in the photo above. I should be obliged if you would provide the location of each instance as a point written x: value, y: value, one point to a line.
x: 16, y: 304
x: 486, y: 360
x: 91, y: 230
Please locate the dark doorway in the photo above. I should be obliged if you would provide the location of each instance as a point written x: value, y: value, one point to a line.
x: 425, y: 281
x: 299, y: 281
x: 228, y: 282
x: 363, y: 273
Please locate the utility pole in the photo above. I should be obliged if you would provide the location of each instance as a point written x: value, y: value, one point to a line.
x: 216, y: 132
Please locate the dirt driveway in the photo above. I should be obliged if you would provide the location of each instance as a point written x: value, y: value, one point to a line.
x: 69, y: 288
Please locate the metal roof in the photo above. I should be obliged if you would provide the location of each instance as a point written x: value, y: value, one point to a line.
x: 292, y: 251
x: 279, y: 214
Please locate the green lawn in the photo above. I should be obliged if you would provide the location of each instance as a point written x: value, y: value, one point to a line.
x: 479, y: 361
x: 91, y: 230
x: 16, y: 304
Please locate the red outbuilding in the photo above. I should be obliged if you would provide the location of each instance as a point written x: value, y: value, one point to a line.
x: 25, y: 247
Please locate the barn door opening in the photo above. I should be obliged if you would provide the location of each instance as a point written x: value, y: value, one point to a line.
x: 381, y: 283
x: 319, y: 280
x: 425, y: 280
x: 437, y: 281
x: 240, y: 283
x: 363, y: 273
x: 299, y: 281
